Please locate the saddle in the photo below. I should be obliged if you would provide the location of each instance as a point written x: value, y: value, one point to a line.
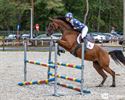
x: 88, y: 40
x: 88, y: 43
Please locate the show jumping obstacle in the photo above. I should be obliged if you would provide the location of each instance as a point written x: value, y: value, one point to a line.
x: 65, y: 77
x: 67, y: 65
x: 40, y: 63
x: 36, y: 82
x: 80, y: 67
x: 55, y: 65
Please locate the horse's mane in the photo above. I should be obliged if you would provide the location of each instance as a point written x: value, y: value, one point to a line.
x: 64, y: 19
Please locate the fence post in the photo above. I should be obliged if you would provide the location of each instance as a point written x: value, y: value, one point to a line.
x: 82, y: 69
x: 3, y: 42
x: 25, y: 58
x: 50, y: 52
x: 56, y: 66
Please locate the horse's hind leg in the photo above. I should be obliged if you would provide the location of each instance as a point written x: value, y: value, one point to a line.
x: 101, y: 72
x: 111, y: 72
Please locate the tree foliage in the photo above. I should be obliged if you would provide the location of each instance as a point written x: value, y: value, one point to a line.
x: 102, y: 15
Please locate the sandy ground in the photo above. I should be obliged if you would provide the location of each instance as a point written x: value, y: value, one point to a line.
x: 11, y: 72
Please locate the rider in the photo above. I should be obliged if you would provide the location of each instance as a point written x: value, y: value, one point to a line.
x: 77, y: 25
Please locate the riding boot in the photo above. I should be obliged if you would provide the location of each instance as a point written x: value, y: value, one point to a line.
x: 85, y: 43
x: 83, y: 40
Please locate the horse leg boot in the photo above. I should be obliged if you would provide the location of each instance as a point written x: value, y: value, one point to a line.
x: 60, y: 50
x: 101, y: 72
x: 112, y: 73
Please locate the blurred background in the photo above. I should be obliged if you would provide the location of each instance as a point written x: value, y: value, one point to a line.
x: 20, y: 18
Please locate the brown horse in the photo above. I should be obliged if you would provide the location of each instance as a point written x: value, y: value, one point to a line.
x: 97, y: 55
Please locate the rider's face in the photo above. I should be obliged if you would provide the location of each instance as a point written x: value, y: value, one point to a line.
x: 68, y: 19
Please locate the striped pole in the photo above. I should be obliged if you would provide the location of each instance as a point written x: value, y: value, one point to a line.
x: 51, y: 64
x: 73, y: 88
x: 36, y: 82
x: 67, y: 65
x: 65, y: 77
x: 40, y: 63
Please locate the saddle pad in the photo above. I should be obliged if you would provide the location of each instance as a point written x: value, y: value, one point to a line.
x: 89, y: 44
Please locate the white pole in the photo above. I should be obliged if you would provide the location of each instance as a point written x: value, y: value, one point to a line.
x: 31, y: 23
x: 55, y: 84
x: 25, y: 58
x: 124, y: 19
x: 50, y: 55
x: 82, y: 69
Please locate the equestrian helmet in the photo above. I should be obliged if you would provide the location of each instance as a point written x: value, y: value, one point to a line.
x: 69, y: 15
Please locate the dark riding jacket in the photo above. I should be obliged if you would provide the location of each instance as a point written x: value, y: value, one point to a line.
x: 77, y: 24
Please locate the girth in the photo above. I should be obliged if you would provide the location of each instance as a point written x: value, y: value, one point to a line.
x: 74, y: 51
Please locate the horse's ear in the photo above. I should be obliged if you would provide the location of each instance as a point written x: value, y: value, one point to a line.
x: 50, y: 19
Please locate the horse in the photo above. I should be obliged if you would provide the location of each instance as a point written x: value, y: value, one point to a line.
x: 98, y: 55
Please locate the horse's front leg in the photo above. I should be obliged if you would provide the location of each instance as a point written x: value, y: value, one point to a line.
x: 64, y: 44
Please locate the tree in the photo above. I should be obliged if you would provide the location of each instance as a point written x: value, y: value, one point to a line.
x: 87, y: 10
x: 102, y: 15
x: 7, y: 14
x: 124, y: 20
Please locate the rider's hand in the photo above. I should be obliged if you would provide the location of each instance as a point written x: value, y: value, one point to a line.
x: 75, y: 28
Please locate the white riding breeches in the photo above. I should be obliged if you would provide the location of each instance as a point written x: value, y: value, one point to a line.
x: 84, y: 31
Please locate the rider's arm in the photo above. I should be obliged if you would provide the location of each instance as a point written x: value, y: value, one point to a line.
x: 77, y: 24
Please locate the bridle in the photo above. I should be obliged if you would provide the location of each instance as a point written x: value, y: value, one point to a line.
x: 51, y: 28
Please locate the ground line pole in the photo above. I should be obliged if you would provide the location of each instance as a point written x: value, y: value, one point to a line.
x: 82, y: 69
x: 25, y: 58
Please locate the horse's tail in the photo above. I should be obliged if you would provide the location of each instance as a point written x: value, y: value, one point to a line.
x: 117, y: 56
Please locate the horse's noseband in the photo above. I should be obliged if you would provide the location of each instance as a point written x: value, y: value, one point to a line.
x: 51, y: 28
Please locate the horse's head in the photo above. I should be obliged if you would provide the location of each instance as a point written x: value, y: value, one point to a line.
x: 58, y: 23
x: 69, y: 35
x: 52, y: 26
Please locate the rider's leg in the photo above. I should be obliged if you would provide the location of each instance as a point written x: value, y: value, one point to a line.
x: 81, y: 37
x: 84, y: 32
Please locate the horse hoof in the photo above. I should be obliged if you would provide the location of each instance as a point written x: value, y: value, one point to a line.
x: 113, y: 86
x: 100, y: 85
